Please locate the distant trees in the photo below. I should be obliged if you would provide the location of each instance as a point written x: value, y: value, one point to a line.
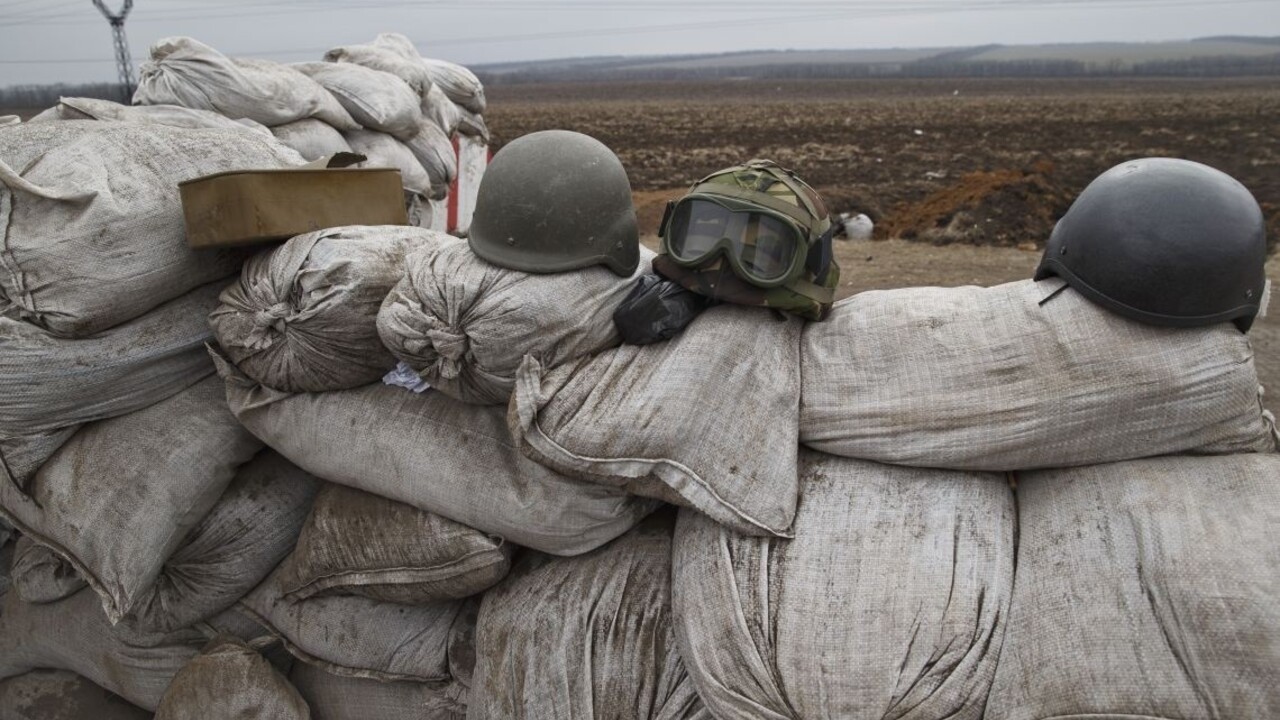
x: 45, y: 96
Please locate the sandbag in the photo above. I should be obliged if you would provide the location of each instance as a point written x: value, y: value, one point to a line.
x: 228, y: 679
x: 357, y: 543
x: 1020, y: 376
x: 48, y: 384
x: 21, y: 456
x: 465, y: 324
x: 39, y: 575
x: 706, y: 420
x: 387, y: 152
x: 585, y: 637
x: 302, y: 317
x: 458, y: 83
x: 889, y: 602
x: 436, y: 454
x: 62, y: 695
x: 184, y: 71
x: 376, y: 57
x: 442, y: 112
x: 337, y: 697
x: 311, y: 138
x: 1145, y: 589
x: 92, y: 224
x: 359, y: 637
x: 117, y: 499
x: 432, y: 147
x: 376, y: 100
x: 82, y: 108
x: 74, y: 634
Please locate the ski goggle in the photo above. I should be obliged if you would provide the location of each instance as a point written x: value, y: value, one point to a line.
x: 762, y: 246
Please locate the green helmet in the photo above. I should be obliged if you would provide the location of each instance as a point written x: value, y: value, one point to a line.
x: 553, y: 201
x: 752, y: 234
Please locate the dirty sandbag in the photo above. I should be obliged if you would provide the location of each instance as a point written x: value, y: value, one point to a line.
x: 171, y: 115
x: 22, y: 455
x: 62, y: 695
x: 229, y: 679
x: 892, y: 596
x: 357, y: 636
x: 1018, y: 376
x: 74, y: 634
x: 386, y: 151
x: 302, y: 316
x: 436, y: 454
x: 1145, y: 589
x: 434, y: 150
x: 40, y: 575
x: 376, y: 100
x: 117, y: 499
x: 439, y: 109
x: 405, y: 555
x: 312, y: 139
x: 585, y: 637
x: 465, y: 324
x: 184, y: 71
x: 93, y: 229
x: 458, y: 83
x: 733, y: 362
x: 410, y: 70
x: 655, y: 310
x: 340, y: 697
x: 473, y: 125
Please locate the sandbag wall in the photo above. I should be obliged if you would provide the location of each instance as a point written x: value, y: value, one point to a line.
x: 366, y: 474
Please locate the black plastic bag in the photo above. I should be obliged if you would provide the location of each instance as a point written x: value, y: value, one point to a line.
x: 656, y: 309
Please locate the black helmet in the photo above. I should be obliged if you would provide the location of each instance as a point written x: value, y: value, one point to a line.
x: 1164, y: 242
x: 553, y: 201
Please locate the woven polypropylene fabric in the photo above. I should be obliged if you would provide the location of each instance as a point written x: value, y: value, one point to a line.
x: 302, y: 317
x: 1015, y: 377
x: 436, y: 454
x: 585, y: 637
x: 118, y: 498
x: 311, y: 138
x: 40, y: 575
x: 338, y: 697
x: 92, y: 223
x: 61, y: 695
x: 229, y: 680
x: 889, y: 603
x: 376, y: 100
x: 384, y: 151
x: 707, y: 419
x: 1145, y: 589
x: 171, y: 115
x: 466, y: 324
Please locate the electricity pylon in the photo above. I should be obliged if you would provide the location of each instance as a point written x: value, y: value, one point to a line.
x: 124, y: 63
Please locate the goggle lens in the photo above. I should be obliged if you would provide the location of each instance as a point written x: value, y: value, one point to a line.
x: 764, y: 246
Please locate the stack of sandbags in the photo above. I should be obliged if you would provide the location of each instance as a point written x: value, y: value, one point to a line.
x: 62, y: 695
x: 171, y: 115
x: 1145, y: 589
x: 229, y: 679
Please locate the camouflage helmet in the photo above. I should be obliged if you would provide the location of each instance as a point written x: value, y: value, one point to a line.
x: 752, y: 234
x: 553, y: 201
x: 1164, y: 242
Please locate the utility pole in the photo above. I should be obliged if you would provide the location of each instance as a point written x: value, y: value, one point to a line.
x: 124, y: 63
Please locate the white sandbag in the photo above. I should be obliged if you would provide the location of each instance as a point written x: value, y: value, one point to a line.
x: 1145, y: 589
x: 302, y: 317
x: 707, y: 419
x: 62, y: 695
x: 398, y: 43
x: 889, y: 602
x: 118, y: 498
x: 48, y: 384
x: 382, y: 150
x: 39, y: 575
x: 359, y: 637
x: 1017, y: 377
x: 337, y: 697
x: 358, y: 543
x: 436, y: 454
x: 93, y: 231
x: 311, y: 138
x: 253, y: 526
x: 585, y: 637
x: 184, y: 71
x: 74, y: 634
x: 228, y: 679
x: 79, y: 108
x: 375, y: 57
x: 10, y: 120
x: 376, y: 100
x: 472, y: 125
x: 433, y: 148
x: 458, y: 83
x: 465, y: 324
x: 442, y: 112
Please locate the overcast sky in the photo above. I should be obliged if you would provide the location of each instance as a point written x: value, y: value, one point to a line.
x: 68, y: 40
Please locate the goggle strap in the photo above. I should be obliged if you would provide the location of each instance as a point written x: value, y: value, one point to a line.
x: 757, y: 198
x: 813, y: 291
x: 666, y: 218
x: 819, y: 258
